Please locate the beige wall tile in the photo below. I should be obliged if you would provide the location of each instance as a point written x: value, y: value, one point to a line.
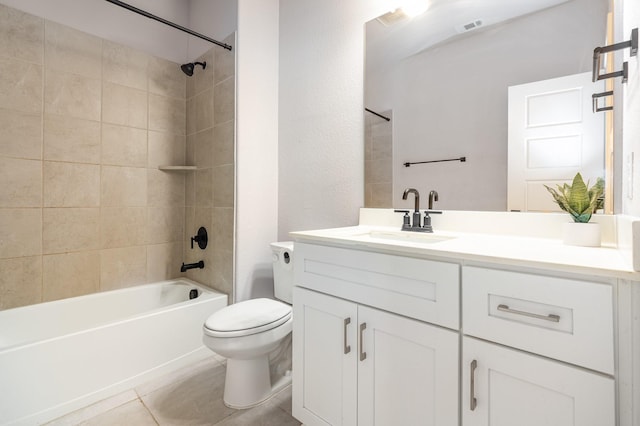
x: 223, y: 228
x: 204, y: 188
x: 124, y: 65
x: 224, y: 101
x: 204, y: 275
x: 163, y: 261
x: 21, y: 35
x: 21, y: 135
x: 59, y: 178
x: 204, y: 110
x: 190, y: 189
x: 190, y: 152
x: 21, y: 182
x: 191, y: 87
x: 70, y: 229
x: 72, y: 95
x: 224, y: 143
x: 166, y: 149
x: 70, y: 50
x: 122, y: 226
x: 223, y: 271
x: 166, y: 78
x: 378, y: 171
x: 71, y: 139
x: 223, y: 186
x: 205, y: 149
x: 124, y: 146
x: 123, y: 186
x: 203, y: 79
x: 191, y: 115
x: 20, y: 281
x: 167, y: 114
x: 165, y: 224
x: 123, y: 267
x: 165, y: 189
x: 70, y: 275
x: 124, y: 105
x: 20, y: 86
x: 225, y: 60
x: 381, y: 195
x: 20, y: 232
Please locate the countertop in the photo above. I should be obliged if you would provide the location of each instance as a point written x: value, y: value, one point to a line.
x: 546, y: 253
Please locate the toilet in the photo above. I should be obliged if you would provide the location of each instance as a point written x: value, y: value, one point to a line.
x: 248, y: 332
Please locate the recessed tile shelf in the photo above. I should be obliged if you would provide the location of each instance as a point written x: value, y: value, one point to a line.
x: 178, y: 168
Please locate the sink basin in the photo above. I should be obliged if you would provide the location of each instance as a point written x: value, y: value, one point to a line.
x: 402, y: 236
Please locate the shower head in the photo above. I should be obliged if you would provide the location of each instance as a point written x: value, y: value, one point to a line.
x: 188, y: 68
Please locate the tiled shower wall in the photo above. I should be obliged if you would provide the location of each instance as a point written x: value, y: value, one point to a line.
x: 378, y: 161
x: 210, y: 147
x: 84, y: 125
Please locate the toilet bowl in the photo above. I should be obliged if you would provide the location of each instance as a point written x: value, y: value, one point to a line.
x: 247, y: 332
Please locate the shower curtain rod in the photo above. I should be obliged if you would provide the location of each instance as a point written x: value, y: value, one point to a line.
x: 379, y: 115
x: 171, y: 24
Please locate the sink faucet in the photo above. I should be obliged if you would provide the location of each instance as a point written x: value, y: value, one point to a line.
x: 433, y: 196
x: 416, y: 211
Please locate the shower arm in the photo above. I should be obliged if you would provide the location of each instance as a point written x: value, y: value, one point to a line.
x: 169, y: 23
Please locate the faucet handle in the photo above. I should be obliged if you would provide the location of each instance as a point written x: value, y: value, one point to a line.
x: 406, y: 220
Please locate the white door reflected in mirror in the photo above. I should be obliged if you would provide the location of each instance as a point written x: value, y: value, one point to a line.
x: 553, y: 134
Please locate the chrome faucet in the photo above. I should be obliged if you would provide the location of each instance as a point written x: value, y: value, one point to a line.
x: 433, y: 196
x: 416, y: 211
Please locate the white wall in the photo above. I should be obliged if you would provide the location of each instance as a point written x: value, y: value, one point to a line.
x: 256, y: 146
x: 321, y: 141
x: 631, y: 114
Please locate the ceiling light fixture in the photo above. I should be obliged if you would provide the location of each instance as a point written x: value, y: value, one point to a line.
x: 413, y: 8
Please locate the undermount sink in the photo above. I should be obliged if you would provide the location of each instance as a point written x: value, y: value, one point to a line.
x: 402, y: 236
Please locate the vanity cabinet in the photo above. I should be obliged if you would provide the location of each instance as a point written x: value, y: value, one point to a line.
x: 363, y: 351
x: 356, y: 365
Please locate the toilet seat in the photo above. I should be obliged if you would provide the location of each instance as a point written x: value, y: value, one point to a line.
x: 247, y: 318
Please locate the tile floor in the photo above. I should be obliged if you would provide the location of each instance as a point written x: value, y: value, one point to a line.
x: 192, y: 396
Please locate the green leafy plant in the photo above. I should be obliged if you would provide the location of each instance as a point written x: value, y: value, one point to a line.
x: 578, y: 200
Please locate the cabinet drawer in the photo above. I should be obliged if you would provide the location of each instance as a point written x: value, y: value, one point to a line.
x: 417, y: 288
x: 560, y: 318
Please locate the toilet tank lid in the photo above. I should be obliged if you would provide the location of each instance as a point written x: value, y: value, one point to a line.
x: 248, y: 315
x: 287, y: 245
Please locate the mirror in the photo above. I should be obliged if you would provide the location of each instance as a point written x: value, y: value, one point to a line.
x: 442, y: 79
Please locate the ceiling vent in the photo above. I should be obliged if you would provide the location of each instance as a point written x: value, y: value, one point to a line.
x: 470, y: 26
x: 391, y: 18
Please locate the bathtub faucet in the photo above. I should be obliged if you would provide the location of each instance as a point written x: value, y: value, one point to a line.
x: 188, y: 266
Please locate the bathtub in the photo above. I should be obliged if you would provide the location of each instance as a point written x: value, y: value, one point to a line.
x: 59, y: 356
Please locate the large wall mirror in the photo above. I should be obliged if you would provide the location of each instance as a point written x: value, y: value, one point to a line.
x: 440, y: 84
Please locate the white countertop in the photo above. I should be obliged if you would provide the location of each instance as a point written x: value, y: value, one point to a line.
x: 514, y: 250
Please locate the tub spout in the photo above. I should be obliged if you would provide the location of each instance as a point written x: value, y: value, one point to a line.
x: 188, y: 266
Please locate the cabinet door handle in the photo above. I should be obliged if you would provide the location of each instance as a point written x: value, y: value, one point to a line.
x: 363, y: 354
x: 347, y: 348
x: 550, y: 317
x: 473, y: 402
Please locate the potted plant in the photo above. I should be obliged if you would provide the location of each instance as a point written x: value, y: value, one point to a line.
x: 580, y: 202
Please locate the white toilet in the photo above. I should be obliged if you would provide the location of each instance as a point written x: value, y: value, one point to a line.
x: 247, y: 332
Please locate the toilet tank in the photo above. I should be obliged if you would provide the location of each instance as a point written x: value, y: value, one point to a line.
x: 282, y: 261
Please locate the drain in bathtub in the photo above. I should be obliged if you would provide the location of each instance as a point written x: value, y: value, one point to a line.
x: 193, y: 293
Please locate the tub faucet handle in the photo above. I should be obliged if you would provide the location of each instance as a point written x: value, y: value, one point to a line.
x: 202, y: 238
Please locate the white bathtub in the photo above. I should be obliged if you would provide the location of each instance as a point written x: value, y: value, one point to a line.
x: 59, y: 356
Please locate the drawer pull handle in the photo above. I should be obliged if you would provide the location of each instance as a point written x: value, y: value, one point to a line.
x: 473, y: 402
x: 363, y: 354
x: 347, y: 348
x: 550, y: 317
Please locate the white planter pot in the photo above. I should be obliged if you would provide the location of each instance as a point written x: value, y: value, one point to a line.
x: 581, y: 234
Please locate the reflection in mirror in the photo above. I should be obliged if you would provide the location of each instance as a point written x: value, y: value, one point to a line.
x: 445, y: 88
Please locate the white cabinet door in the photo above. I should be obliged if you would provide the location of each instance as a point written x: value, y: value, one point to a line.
x: 511, y: 388
x: 409, y: 374
x: 324, y: 359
